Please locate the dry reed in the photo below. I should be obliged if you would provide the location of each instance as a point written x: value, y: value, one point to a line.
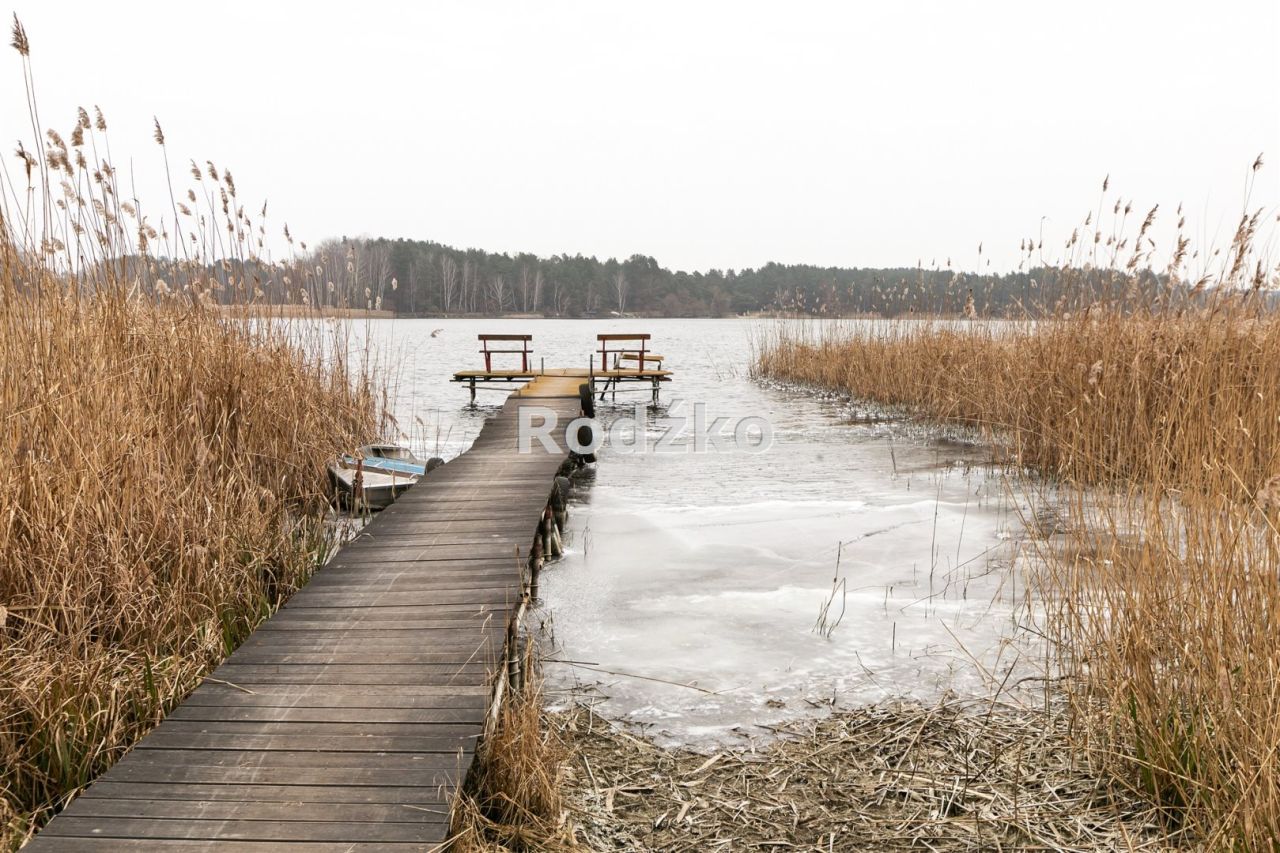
x: 513, y: 796
x: 161, y: 466
x: 898, y: 776
x: 1159, y: 426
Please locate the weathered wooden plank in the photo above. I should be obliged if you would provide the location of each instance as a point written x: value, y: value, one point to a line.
x: 369, y: 573
x: 407, y: 627
x: 299, y: 696
x: 344, y: 728
x: 512, y: 558
x: 276, y: 656
x: 461, y: 614
x: 515, y: 520
x: 450, y: 583
x: 251, y: 675
x: 402, y: 552
x: 268, y: 714
x: 504, y: 594
x: 414, y: 524
x: 529, y: 473
x: 64, y: 844
x: 425, y: 581
x: 437, y: 554
x: 168, y: 773
x: 529, y: 481
x: 409, y: 764
x: 350, y: 794
x: 452, y: 535
x: 355, y: 641
x: 440, y: 505
x: 163, y: 737
x: 278, y: 810
x: 374, y: 569
x: 300, y: 669
x: 357, y: 558
x: 241, y: 830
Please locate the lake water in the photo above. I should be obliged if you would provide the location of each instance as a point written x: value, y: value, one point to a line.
x: 691, y: 587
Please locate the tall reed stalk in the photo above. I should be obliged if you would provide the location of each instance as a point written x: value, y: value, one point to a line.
x: 162, y: 483
x: 1159, y: 428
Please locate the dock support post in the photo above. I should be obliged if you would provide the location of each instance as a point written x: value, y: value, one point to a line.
x: 655, y: 391
x: 557, y: 547
x: 535, y: 563
x: 473, y: 392
x: 515, y: 672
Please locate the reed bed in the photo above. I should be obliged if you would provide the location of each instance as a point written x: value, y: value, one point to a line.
x: 162, y: 481
x: 1156, y: 431
x: 898, y: 776
x: 1107, y: 396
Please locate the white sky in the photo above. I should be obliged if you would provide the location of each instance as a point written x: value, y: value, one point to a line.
x: 721, y: 134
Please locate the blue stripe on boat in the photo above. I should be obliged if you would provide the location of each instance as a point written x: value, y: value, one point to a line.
x: 389, y: 466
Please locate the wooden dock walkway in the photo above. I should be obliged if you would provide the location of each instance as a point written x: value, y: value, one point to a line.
x: 570, y: 376
x: 347, y: 721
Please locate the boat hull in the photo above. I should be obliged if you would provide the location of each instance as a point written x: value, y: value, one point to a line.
x: 377, y: 491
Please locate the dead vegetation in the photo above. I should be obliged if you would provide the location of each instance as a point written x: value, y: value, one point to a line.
x: 1158, y: 426
x: 959, y: 775
x: 513, y: 797
x: 897, y: 776
x: 162, y: 481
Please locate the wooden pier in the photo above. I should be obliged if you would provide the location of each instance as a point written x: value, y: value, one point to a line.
x: 624, y: 359
x: 347, y: 721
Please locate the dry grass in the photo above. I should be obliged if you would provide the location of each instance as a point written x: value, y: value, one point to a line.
x: 1160, y: 428
x: 899, y: 776
x: 161, y: 467
x: 513, y: 796
x: 1106, y: 397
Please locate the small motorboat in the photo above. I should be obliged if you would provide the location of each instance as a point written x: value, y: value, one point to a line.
x: 376, y: 475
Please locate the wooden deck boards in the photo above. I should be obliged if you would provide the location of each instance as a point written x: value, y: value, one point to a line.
x: 347, y: 721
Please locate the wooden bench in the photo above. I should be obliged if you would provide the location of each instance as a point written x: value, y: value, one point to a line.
x: 488, y: 352
x: 643, y: 359
x: 625, y: 347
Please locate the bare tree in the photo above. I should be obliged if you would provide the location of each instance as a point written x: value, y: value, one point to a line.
x: 525, y: 288
x: 498, y: 292
x: 620, y: 289
x: 468, y: 286
x: 412, y: 293
x: 537, y: 290
x: 560, y: 299
x: 448, y: 281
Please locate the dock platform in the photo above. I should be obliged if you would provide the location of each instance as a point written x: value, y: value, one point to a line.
x: 348, y: 720
x: 599, y: 380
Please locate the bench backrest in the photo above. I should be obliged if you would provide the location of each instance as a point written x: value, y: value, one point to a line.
x: 621, y: 348
x: 525, y: 350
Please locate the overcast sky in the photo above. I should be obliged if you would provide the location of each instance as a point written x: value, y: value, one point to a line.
x: 722, y: 134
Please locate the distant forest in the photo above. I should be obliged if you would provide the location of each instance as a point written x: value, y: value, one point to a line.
x: 418, y: 278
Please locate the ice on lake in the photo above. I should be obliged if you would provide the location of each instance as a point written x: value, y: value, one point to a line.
x: 693, y: 582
